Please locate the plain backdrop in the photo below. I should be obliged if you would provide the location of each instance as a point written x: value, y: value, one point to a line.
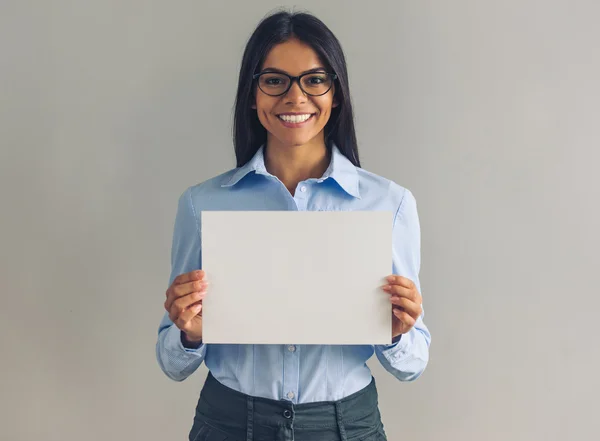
x: 486, y: 110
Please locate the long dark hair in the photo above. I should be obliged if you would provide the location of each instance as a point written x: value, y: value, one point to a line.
x: 248, y: 132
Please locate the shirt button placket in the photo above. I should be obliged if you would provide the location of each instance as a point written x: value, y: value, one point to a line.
x: 291, y: 369
x: 301, y: 196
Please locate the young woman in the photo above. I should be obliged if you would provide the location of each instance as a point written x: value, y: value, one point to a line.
x: 296, y: 150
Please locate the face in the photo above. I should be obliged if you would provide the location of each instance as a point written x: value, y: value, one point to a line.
x: 275, y: 112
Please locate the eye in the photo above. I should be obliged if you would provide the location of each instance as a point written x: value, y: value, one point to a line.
x: 316, y: 81
x: 273, y: 81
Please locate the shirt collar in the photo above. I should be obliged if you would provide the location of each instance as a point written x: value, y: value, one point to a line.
x: 340, y: 169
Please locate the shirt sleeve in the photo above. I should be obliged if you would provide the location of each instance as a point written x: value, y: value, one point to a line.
x: 407, y: 358
x: 176, y: 361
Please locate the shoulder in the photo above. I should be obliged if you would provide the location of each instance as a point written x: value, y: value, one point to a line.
x: 203, y: 192
x: 214, y: 184
x: 376, y: 186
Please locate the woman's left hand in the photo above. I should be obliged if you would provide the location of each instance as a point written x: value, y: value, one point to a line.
x: 406, y: 303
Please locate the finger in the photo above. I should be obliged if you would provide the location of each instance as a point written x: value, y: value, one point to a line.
x: 189, y: 277
x: 402, y: 291
x: 182, y: 307
x: 178, y: 291
x: 399, y: 280
x: 199, y: 302
x: 412, y: 308
x: 178, y: 305
x: 405, y: 318
x: 185, y: 318
x: 186, y: 278
x: 185, y: 302
x: 187, y: 288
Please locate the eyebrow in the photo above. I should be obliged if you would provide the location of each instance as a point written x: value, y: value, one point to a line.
x: 274, y: 69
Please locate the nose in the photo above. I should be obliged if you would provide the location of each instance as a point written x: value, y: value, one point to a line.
x: 295, y: 94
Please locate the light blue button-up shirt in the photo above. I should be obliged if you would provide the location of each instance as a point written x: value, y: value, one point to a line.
x: 298, y: 373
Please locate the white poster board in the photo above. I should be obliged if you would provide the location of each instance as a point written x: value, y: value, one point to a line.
x: 297, y: 277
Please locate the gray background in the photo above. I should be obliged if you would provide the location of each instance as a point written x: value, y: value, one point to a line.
x: 488, y: 111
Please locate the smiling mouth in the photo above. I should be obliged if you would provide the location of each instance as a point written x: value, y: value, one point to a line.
x: 295, y: 119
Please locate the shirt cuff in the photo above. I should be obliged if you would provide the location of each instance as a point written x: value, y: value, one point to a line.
x: 173, y: 343
x: 393, y: 344
x: 396, y: 349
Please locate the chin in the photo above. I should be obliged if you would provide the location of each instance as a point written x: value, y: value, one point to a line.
x: 299, y: 142
x: 296, y: 141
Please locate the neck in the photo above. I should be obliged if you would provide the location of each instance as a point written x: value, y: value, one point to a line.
x: 294, y: 164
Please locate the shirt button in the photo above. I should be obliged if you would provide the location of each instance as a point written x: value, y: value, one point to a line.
x: 287, y: 413
x: 303, y: 189
x: 291, y: 348
x: 290, y: 395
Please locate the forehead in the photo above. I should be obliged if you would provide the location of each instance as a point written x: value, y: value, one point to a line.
x: 293, y: 57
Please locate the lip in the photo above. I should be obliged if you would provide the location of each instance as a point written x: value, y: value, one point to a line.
x: 295, y: 113
x: 291, y: 125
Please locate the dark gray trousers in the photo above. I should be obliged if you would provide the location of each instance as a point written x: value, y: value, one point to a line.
x: 223, y: 414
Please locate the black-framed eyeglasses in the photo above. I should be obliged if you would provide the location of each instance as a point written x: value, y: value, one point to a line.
x: 311, y: 83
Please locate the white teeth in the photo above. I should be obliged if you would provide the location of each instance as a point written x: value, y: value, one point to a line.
x: 295, y: 118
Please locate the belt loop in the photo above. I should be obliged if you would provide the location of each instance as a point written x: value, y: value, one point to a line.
x: 250, y: 420
x: 342, y: 429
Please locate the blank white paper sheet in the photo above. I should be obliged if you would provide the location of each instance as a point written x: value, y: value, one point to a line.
x: 297, y: 277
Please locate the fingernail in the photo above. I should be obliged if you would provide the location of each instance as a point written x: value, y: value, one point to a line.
x: 386, y: 287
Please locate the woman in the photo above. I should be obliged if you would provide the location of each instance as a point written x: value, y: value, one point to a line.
x: 296, y: 150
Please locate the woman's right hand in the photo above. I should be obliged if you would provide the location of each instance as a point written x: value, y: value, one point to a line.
x: 184, y: 303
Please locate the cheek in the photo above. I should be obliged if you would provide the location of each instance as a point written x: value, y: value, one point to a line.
x: 325, y: 106
x: 263, y: 110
